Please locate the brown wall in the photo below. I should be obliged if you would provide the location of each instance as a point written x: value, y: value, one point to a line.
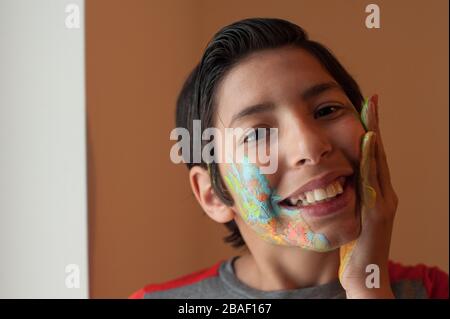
x: 145, y: 225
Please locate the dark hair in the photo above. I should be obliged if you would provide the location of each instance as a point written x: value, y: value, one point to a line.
x: 230, y: 45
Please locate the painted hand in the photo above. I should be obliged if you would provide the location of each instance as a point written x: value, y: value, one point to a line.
x: 378, y: 204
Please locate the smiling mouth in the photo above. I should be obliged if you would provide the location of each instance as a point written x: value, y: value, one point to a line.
x: 331, y: 192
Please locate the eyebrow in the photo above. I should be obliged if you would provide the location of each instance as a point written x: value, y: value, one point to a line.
x: 318, y: 89
x: 306, y: 95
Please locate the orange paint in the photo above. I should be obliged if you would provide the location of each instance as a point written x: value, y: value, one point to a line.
x: 263, y: 197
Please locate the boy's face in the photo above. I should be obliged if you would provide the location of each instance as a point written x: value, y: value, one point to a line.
x: 317, y: 134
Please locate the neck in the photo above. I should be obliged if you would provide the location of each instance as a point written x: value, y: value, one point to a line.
x: 275, y: 267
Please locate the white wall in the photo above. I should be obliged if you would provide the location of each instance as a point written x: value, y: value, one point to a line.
x: 43, y: 207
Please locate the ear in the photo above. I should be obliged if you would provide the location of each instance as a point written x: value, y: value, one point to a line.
x: 207, y: 198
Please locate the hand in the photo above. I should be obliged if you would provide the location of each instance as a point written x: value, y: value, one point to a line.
x: 378, y: 205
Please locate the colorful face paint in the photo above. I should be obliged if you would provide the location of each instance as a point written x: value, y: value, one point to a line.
x: 258, y: 204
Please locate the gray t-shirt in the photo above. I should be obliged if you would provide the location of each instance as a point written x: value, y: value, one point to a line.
x: 220, y: 281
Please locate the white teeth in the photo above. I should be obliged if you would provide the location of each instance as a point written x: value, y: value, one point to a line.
x: 294, y: 202
x: 331, y: 191
x: 310, y: 197
x: 339, y: 188
x: 319, y: 194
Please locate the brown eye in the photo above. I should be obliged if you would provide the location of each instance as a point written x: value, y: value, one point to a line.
x: 327, y: 110
x: 256, y: 134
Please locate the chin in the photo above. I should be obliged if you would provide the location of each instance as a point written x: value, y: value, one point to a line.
x: 343, y: 233
x: 340, y: 228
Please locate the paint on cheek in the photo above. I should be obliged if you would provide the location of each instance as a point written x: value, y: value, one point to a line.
x: 253, y: 190
x: 257, y: 203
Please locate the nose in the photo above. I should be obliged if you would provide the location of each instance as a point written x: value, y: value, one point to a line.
x: 305, y: 143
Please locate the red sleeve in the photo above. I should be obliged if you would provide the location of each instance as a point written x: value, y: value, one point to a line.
x: 434, y: 279
x: 179, y: 282
x: 137, y: 294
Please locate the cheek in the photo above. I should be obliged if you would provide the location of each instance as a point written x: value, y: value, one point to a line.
x: 251, y: 192
x: 347, y: 137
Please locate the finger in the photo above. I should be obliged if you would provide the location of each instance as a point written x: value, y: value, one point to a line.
x: 368, y: 184
x: 369, y: 117
x: 365, y: 114
x: 345, y: 253
x: 369, y: 187
x: 369, y: 122
x: 384, y: 176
